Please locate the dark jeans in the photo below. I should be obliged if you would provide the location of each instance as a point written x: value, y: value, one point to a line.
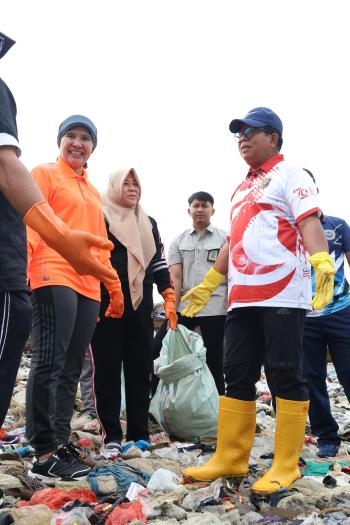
x: 15, y: 324
x: 63, y: 324
x: 331, y: 330
x: 129, y: 341
x: 212, y: 330
x: 269, y: 336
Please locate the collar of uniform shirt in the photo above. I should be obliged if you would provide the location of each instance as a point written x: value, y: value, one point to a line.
x: 67, y: 171
x: 269, y: 164
x: 209, y: 228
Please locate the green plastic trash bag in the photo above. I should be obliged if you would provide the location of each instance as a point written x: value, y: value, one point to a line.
x: 186, y: 401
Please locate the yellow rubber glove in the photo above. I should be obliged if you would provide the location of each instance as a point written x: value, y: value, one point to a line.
x: 324, y: 278
x: 199, y: 295
x: 73, y: 245
x: 170, y: 307
x: 116, y: 303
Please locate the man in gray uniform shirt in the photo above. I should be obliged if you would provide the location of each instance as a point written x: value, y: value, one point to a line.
x: 190, y: 256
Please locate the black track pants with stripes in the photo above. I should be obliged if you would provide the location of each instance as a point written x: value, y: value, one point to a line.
x: 15, y: 324
x: 63, y: 324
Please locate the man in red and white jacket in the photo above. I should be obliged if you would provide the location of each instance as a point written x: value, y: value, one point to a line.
x: 275, y: 226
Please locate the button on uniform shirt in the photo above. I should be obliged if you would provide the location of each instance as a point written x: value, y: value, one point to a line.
x: 268, y: 263
x: 337, y: 233
x: 197, y: 252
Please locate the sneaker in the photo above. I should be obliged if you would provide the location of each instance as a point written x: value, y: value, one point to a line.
x: 111, y: 450
x: 327, y: 450
x: 60, y: 465
x: 79, y: 455
x: 72, y: 450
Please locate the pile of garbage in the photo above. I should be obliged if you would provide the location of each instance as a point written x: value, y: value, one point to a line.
x: 146, y: 485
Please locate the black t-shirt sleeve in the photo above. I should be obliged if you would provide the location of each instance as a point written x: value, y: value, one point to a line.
x: 13, y: 252
x: 8, y: 112
x: 159, y: 266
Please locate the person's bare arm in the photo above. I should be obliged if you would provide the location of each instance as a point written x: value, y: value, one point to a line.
x: 221, y: 263
x: 313, y: 235
x: 176, y: 276
x: 16, y: 183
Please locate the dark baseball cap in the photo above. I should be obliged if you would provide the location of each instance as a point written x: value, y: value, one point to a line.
x: 74, y: 121
x: 258, y: 118
x: 5, y: 44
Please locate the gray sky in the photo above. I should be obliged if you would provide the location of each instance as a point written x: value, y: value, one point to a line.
x: 162, y: 79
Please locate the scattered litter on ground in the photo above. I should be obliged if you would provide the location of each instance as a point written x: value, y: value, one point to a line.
x: 145, y: 484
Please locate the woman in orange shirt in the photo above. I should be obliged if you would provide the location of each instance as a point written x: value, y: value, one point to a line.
x: 65, y: 304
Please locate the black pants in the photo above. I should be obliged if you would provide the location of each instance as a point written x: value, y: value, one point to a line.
x: 265, y: 335
x: 15, y: 324
x: 129, y: 341
x: 63, y: 324
x: 332, y: 330
x: 212, y: 330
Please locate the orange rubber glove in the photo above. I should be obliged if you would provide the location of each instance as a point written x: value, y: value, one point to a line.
x: 116, y: 303
x: 324, y: 279
x: 199, y: 295
x: 170, y: 307
x: 73, y: 245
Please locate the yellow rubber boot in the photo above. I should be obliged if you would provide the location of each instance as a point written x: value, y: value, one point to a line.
x: 236, y: 429
x: 289, y: 440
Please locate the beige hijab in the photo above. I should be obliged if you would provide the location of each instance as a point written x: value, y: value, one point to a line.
x: 132, y: 227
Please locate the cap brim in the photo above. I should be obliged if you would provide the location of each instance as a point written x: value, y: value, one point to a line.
x: 236, y: 124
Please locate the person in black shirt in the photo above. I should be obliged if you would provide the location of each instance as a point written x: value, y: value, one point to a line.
x: 22, y: 201
x: 139, y: 260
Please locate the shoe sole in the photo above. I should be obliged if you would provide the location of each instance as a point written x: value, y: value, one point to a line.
x: 106, y: 454
x: 190, y: 479
x: 51, y: 478
x: 265, y: 493
x: 112, y: 457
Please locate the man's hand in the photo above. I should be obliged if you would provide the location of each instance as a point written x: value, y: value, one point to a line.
x: 199, y: 295
x: 76, y: 250
x: 324, y: 279
x: 75, y: 246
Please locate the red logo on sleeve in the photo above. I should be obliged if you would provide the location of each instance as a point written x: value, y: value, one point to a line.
x: 305, y: 192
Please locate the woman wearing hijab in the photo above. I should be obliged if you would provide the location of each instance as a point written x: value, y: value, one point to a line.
x: 65, y: 304
x: 139, y: 259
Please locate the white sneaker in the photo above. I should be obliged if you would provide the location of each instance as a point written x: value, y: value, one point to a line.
x: 111, y: 450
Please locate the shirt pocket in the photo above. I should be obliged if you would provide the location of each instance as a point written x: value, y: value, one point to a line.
x: 188, y: 252
x: 212, y: 251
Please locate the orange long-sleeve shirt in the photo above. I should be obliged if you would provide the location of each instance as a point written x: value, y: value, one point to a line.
x: 78, y: 204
